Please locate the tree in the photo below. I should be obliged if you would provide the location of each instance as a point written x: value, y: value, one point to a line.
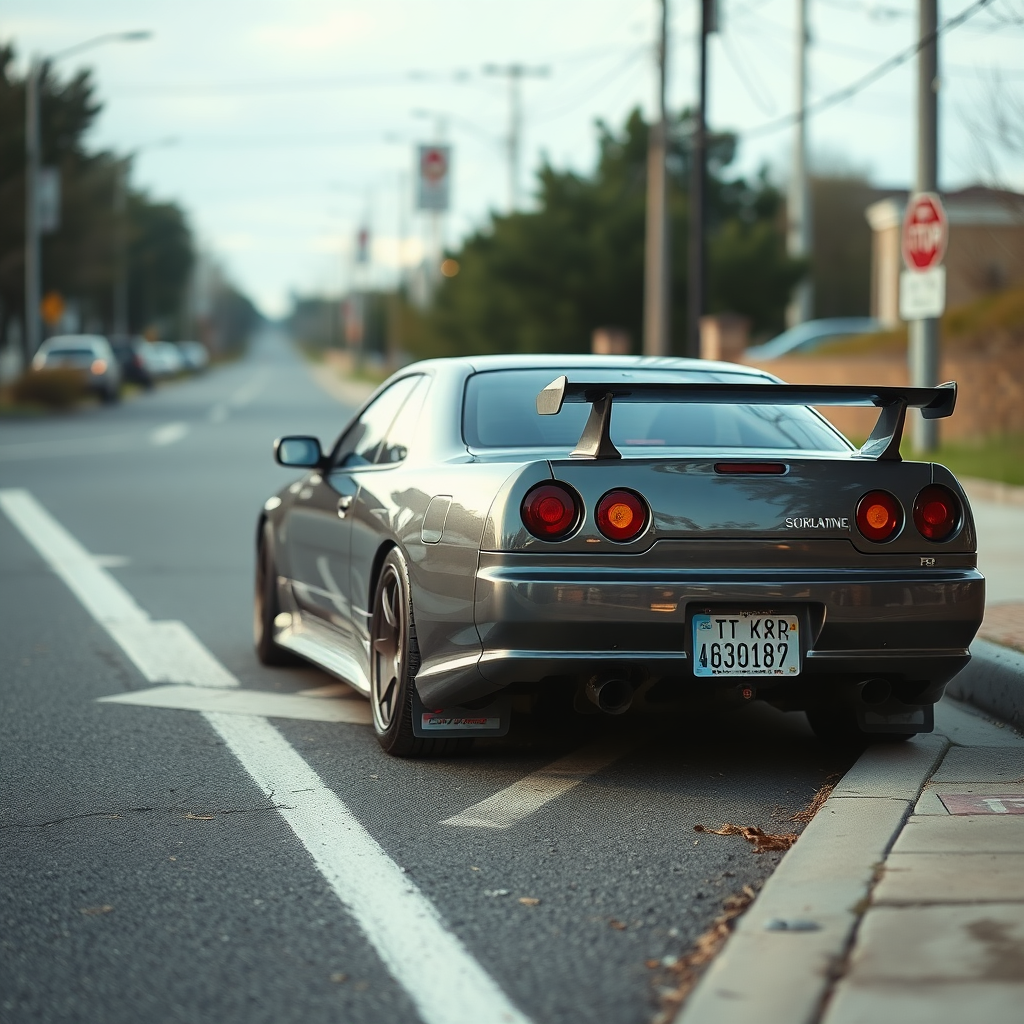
x: 80, y: 259
x: 542, y: 281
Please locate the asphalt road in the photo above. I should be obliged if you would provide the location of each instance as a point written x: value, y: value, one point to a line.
x: 146, y: 875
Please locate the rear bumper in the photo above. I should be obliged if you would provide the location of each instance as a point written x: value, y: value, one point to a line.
x: 540, y: 621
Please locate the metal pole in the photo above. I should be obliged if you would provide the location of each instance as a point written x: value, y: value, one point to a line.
x: 923, y: 349
x: 32, y: 335
x: 698, y: 191
x: 799, y: 240
x: 657, y: 308
x: 515, y: 127
x: 121, y: 250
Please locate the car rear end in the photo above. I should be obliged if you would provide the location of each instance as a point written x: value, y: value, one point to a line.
x: 811, y: 578
x: 90, y: 356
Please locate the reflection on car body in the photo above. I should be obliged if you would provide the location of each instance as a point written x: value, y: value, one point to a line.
x: 496, y: 529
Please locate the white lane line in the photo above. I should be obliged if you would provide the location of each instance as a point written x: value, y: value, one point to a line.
x: 70, y: 446
x: 169, y: 433
x: 443, y: 980
x: 529, y: 794
x: 246, y: 702
x: 164, y: 652
x: 249, y: 390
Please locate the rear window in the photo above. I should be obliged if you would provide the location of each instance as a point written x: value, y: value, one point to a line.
x: 65, y: 353
x: 501, y: 412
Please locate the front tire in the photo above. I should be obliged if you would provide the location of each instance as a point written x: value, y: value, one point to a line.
x: 394, y: 662
x: 266, y: 606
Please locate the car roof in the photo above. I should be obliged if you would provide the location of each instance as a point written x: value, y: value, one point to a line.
x: 582, y: 361
x: 73, y: 341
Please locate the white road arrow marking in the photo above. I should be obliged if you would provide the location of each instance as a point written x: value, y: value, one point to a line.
x: 246, y: 702
x: 441, y: 977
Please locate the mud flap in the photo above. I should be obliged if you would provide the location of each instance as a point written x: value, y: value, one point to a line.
x: 492, y: 719
x: 893, y: 716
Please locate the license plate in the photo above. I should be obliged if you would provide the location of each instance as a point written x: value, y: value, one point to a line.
x: 746, y: 644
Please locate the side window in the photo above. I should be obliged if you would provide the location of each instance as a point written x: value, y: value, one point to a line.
x: 403, y: 431
x: 362, y: 440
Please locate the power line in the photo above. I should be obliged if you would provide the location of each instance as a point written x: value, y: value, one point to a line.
x: 865, y: 80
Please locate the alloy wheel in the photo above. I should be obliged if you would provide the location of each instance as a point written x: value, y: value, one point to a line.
x: 388, y: 649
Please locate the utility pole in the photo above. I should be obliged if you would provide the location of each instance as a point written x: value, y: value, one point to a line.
x: 923, y: 351
x: 32, y: 334
x: 698, y: 184
x: 657, y: 248
x: 799, y: 241
x: 515, y: 74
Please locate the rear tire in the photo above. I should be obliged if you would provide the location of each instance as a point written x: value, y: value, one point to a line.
x: 266, y: 606
x: 394, y: 662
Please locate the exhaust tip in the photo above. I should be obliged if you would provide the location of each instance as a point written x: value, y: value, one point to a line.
x: 875, y: 691
x: 612, y: 695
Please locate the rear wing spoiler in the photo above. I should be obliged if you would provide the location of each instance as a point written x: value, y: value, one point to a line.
x: 882, y: 444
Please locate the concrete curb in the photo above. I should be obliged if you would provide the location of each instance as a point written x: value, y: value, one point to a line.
x: 771, y: 972
x: 994, y: 682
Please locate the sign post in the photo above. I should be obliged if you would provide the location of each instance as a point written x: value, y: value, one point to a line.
x: 923, y: 240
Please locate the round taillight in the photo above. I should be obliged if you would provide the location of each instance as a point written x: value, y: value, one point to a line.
x: 879, y: 515
x: 621, y: 515
x: 550, y: 511
x: 937, y: 512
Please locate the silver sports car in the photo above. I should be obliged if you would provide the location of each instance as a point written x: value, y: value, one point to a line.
x: 619, y: 534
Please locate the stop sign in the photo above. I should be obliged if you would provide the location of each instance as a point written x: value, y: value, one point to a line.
x: 925, y: 232
x: 434, y: 163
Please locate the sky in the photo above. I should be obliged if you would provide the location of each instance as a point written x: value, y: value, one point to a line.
x: 282, y: 128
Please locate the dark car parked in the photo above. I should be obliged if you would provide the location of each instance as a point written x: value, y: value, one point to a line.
x: 131, y: 358
x: 631, y: 533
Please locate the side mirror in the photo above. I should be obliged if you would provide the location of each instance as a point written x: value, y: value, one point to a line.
x: 302, y: 452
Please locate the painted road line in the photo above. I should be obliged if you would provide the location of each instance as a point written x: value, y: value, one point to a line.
x: 249, y: 390
x: 72, y: 446
x: 443, y: 980
x: 531, y: 793
x: 164, y: 652
x: 246, y: 702
x: 169, y: 433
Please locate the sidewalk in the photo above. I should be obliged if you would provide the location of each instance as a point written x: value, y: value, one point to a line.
x: 942, y: 938
x: 903, y: 900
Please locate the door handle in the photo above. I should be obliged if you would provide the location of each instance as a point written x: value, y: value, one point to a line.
x: 344, y: 504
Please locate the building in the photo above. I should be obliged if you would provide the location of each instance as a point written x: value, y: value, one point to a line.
x: 985, y: 253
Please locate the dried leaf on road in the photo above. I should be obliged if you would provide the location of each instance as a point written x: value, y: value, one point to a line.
x: 817, y: 802
x: 105, y: 909
x: 619, y: 926
x: 761, y: 840
x: 529, y: 901
x: 687, y: 969
x: 338, y: 978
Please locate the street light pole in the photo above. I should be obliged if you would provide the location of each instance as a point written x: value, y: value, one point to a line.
x: 32, y: 333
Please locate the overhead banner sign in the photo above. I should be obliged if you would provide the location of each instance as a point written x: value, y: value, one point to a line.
x: 433, y: 177
x: 923, y: 240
